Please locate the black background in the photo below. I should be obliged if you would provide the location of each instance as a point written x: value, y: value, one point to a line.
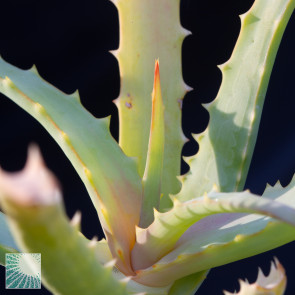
x: 69, y: 43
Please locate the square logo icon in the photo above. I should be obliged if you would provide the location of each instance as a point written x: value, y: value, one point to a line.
x: 23, y: 270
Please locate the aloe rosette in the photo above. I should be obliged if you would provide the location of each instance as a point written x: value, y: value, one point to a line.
x: 160, y: 238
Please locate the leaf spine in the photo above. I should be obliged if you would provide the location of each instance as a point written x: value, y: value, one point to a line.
x: 93, y: 242
x: 34, y: 70
x: 207, y: 105
x: 126, y: 280
x: 76, y: 220
x: 184, y: 139
x: 156, y: 213
x: 215, y: 188
x: 76, y: 96
x: 110, y: 264
x: 115, y: 51
x: 206, y: 199
x: 176, y: 202
x: 185, y: 32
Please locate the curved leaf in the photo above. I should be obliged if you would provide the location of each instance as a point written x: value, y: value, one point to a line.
x: 224, y: 238
x: 32, y: 200
x: 110, y: 177
x: 163, y: 234
x: 226, y: 146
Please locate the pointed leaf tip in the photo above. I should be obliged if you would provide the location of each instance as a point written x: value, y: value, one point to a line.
x: 76, y: 220
x: 156, y: 96
x: 152, y: 178
x: 34, y: 185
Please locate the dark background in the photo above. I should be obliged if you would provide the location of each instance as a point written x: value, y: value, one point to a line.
x: 69, y: 43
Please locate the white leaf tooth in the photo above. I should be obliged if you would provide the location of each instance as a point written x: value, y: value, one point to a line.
x: 198, y: 137
x: 76, y: 95
x: 188, y: 159
x: 206, y: 198
x: 114, y: 52
x: 277, y: 262
x: 180, y: 103
x: 126, y: 280
x: 34, y: 69
x: 34, y: 160
x: 184, y: 139
x: 76, y: 220
x: 115, y: 2
x: 260, y: 274
x: 185, y: 32
x: 278, y: 184
x: 215, y: 188
x: 176, y: 202
x: 156, y: 213
x: 8, y: 82
x: 180, y: 178
x: 187, y: 87
x: 224, y: 67
x: 207, y: 105
x: 93, y: 242
x: 116, y: 101
x: 242, y: 17
x: 110, y: 264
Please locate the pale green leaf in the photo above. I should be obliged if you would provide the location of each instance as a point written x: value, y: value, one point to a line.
x: 32, y: 201
x: 110, y: 177
x: 152, y: 178
x: 223, y: 238
x: 226, y: 146
x: 162, y: 39
x: 163, y: 234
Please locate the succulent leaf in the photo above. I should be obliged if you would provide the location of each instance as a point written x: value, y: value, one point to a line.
x: 152, y: 178
x: 226, y: 146
x: 162, y: 38
x: 110, y: 177
x: 7, y: 243
x: 162, y: 235
x: 273, y: 284
x: 224, y: 238
x: 32, y: 200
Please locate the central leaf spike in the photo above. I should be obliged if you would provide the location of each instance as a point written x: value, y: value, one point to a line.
x: 152, y: 177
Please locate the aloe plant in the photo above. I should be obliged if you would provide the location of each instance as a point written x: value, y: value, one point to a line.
x: 163, y: 234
